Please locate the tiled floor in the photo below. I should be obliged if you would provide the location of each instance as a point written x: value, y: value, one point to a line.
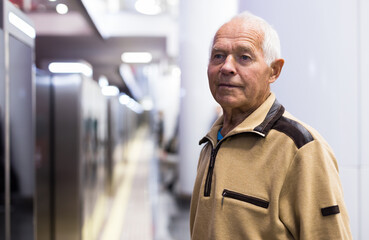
x: 138, y: 215
x: 179, y: 227
x: 145, y: 207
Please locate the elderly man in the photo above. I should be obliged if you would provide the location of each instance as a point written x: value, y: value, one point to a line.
x: 262, y: 173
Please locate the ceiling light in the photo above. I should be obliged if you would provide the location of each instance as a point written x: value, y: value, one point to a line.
x: 136, y: 57
x: 22, y: 25
x: 148, y: 7
x: 61, y: 8
x: 110, y: 91
x: 71, y: 67
x: 124, y: 99
x: 103, y: 81
x: 128, y: 77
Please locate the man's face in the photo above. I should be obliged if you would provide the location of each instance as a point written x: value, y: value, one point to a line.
x: 238, y: 76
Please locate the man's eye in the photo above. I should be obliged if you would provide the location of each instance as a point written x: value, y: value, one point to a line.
x: 217, y: 58
x: 245, y: 57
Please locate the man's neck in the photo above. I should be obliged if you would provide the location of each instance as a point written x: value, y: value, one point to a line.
x: 232, y: 117
x: 232, y: 120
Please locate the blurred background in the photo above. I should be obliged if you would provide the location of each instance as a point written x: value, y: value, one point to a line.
x: 103, y: 102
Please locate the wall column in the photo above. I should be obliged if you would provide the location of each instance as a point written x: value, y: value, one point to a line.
x: 199, y: 20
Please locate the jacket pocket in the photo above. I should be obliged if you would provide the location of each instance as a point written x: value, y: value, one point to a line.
x: 242, y: 197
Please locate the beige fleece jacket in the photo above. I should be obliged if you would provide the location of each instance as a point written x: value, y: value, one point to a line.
x: 272, y: 177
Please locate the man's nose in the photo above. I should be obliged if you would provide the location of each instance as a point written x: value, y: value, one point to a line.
x: 228, y: 66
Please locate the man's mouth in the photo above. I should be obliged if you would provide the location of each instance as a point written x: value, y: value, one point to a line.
x: 227, y: 85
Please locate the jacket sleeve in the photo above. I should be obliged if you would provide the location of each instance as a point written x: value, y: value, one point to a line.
x: 311, y: 199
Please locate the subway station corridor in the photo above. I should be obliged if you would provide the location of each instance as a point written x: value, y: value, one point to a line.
x: 103, y: 104
x: 143, y: 207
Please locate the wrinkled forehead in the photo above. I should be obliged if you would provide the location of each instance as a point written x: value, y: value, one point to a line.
x: 240, y: 29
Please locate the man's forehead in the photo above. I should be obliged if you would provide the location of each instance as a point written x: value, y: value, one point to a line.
x: 238, y: 30
x: 237, y: 41
x: 239, y: 24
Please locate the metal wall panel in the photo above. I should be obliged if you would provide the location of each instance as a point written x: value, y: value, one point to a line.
x: 93, y: 157
x: 43, y: 163
x: 113, y: 148
x: 21, y: 139
x: 80, y: 135
x: 67, y: 128
x: 17, y: 129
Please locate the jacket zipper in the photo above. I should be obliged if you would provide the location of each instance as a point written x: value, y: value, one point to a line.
x: 214, y: 152
x: 238, y: 196
x: 209, y: 176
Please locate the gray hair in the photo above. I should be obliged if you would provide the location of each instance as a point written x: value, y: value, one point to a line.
x: 271, y: 45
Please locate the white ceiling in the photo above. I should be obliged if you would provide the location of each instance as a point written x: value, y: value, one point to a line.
x: 98, y: 32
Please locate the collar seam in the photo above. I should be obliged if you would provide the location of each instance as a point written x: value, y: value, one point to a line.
x: 270, y: 119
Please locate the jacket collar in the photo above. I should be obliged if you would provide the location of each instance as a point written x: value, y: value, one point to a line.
x: 259, y: 122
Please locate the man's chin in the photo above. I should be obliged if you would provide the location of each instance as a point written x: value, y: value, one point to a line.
x: 228, y: 102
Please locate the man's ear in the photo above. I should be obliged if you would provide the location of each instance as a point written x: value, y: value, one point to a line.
x: 276, y: 66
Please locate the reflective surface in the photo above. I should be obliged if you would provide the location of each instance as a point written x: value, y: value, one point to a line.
x: 43, y: 163
x: 21, y: 139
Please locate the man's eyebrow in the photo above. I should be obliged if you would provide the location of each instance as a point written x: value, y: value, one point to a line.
x: 244, y: 49
x: 216, y: 49
x: 238, y: 49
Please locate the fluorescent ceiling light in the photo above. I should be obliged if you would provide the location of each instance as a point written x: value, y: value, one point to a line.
x: 110, y: 91
x: 128, y: 77
x: 124, y: 99
x: 148, y: 7
x: 136, y: 57
x: 22, y: 25
x: 62, y: 8
x: 130, y: 103
x: 70, y: 67
x: 103, y: 81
